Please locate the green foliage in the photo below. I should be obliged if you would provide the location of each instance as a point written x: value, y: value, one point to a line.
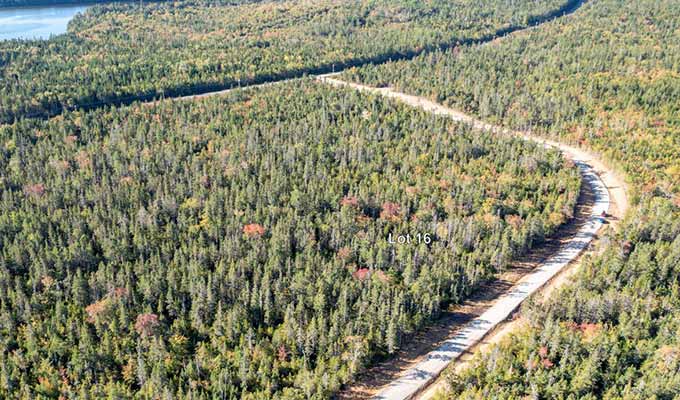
x: 236, y: 246
x: 612, y: 335
x: 605, y: 78
x: 116, y: 53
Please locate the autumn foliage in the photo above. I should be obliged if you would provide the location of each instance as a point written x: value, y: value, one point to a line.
x: 98, y: 309
x: 361, y: 274
x: 390, y: 211
x: 34, y: 190
x: 253, y: 230
x: 349, y: 201
x: 146, y: 324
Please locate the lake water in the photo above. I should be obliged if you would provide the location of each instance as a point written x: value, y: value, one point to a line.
x: 35, y: 22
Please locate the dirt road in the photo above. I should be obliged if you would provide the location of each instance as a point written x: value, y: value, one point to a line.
x: 610, y: 198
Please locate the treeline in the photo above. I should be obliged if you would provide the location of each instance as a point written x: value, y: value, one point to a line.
x: 236, y: 247
x: 30, y: 3
x: 117, y: 53
x: 34, y: 3
x: 607, y: 79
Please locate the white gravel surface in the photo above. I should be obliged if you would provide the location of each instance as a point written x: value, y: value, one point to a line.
x: 418, y: 377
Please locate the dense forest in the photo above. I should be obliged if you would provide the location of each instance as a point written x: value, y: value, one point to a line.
x: 607, y: 78
x: 118, y: 52
x: 237, y: 246
x: 613, y: 334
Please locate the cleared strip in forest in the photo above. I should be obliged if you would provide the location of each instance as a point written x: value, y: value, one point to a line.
x: 418, y: 377
x: 204, y: 90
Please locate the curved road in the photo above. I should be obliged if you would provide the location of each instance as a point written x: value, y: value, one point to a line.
x: 610, y: 197
x: 607, y: 189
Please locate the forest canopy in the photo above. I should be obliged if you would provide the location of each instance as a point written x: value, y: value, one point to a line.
x: 606, y: 78
x: 236, y: 246
x: 119, y: 52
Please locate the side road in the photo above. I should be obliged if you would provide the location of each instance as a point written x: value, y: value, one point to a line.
x: 202, y: 90
x: 610, y: 197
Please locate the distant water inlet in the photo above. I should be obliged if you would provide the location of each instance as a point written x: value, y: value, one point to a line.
x: 36, y: 22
